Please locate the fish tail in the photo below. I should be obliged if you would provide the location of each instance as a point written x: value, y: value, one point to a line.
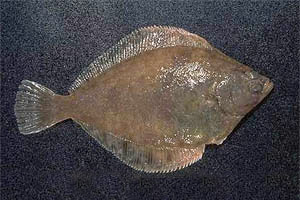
x: 36, y: 108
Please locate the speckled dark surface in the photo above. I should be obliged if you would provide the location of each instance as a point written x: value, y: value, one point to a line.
x: 51, y: 42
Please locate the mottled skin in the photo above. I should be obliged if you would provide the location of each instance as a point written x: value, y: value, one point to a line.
x: 142, y: 101
x: 171, y: 94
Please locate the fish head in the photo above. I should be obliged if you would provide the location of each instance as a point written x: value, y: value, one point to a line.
x: 241, y: 90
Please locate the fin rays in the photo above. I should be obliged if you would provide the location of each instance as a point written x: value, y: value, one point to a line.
x: 141, y: 40
x: 145, y: 158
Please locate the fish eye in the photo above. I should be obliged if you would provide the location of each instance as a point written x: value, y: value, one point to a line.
x: 255, y: 86
x: 252, y: 74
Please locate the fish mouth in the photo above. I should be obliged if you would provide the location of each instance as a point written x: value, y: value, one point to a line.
x: 268, y: 86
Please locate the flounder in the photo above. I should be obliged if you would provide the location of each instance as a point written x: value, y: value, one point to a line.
x: 154, y: 100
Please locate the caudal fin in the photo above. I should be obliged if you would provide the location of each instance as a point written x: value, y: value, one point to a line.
x: 34, y: 107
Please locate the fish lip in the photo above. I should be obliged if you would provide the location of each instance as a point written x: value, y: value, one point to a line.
x: 268, y: 87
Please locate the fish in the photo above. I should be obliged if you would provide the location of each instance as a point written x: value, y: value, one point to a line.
x: 155, y: 99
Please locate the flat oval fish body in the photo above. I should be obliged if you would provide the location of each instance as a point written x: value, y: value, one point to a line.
x: 159, y: 96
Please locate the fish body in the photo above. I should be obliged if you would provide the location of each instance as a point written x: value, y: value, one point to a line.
x: 154, y: 100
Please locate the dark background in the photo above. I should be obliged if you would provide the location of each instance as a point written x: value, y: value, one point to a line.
x: 51, y: 42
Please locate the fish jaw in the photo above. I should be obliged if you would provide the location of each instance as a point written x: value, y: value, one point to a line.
x: 268, y: 87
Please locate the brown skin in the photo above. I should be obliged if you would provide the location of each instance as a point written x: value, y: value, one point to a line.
x: 133, y: 100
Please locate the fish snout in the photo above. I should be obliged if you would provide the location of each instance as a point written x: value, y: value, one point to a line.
x: 268, y: 86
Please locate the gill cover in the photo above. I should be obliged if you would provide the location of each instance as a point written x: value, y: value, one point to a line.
x: 240, y: 91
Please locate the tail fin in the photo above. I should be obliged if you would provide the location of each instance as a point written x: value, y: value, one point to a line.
x: 33, y: 107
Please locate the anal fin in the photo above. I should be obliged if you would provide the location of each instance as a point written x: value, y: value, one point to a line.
x: 146, y: 158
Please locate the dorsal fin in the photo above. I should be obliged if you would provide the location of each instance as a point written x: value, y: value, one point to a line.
x: 141, y: 40
x: 145, y: 158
